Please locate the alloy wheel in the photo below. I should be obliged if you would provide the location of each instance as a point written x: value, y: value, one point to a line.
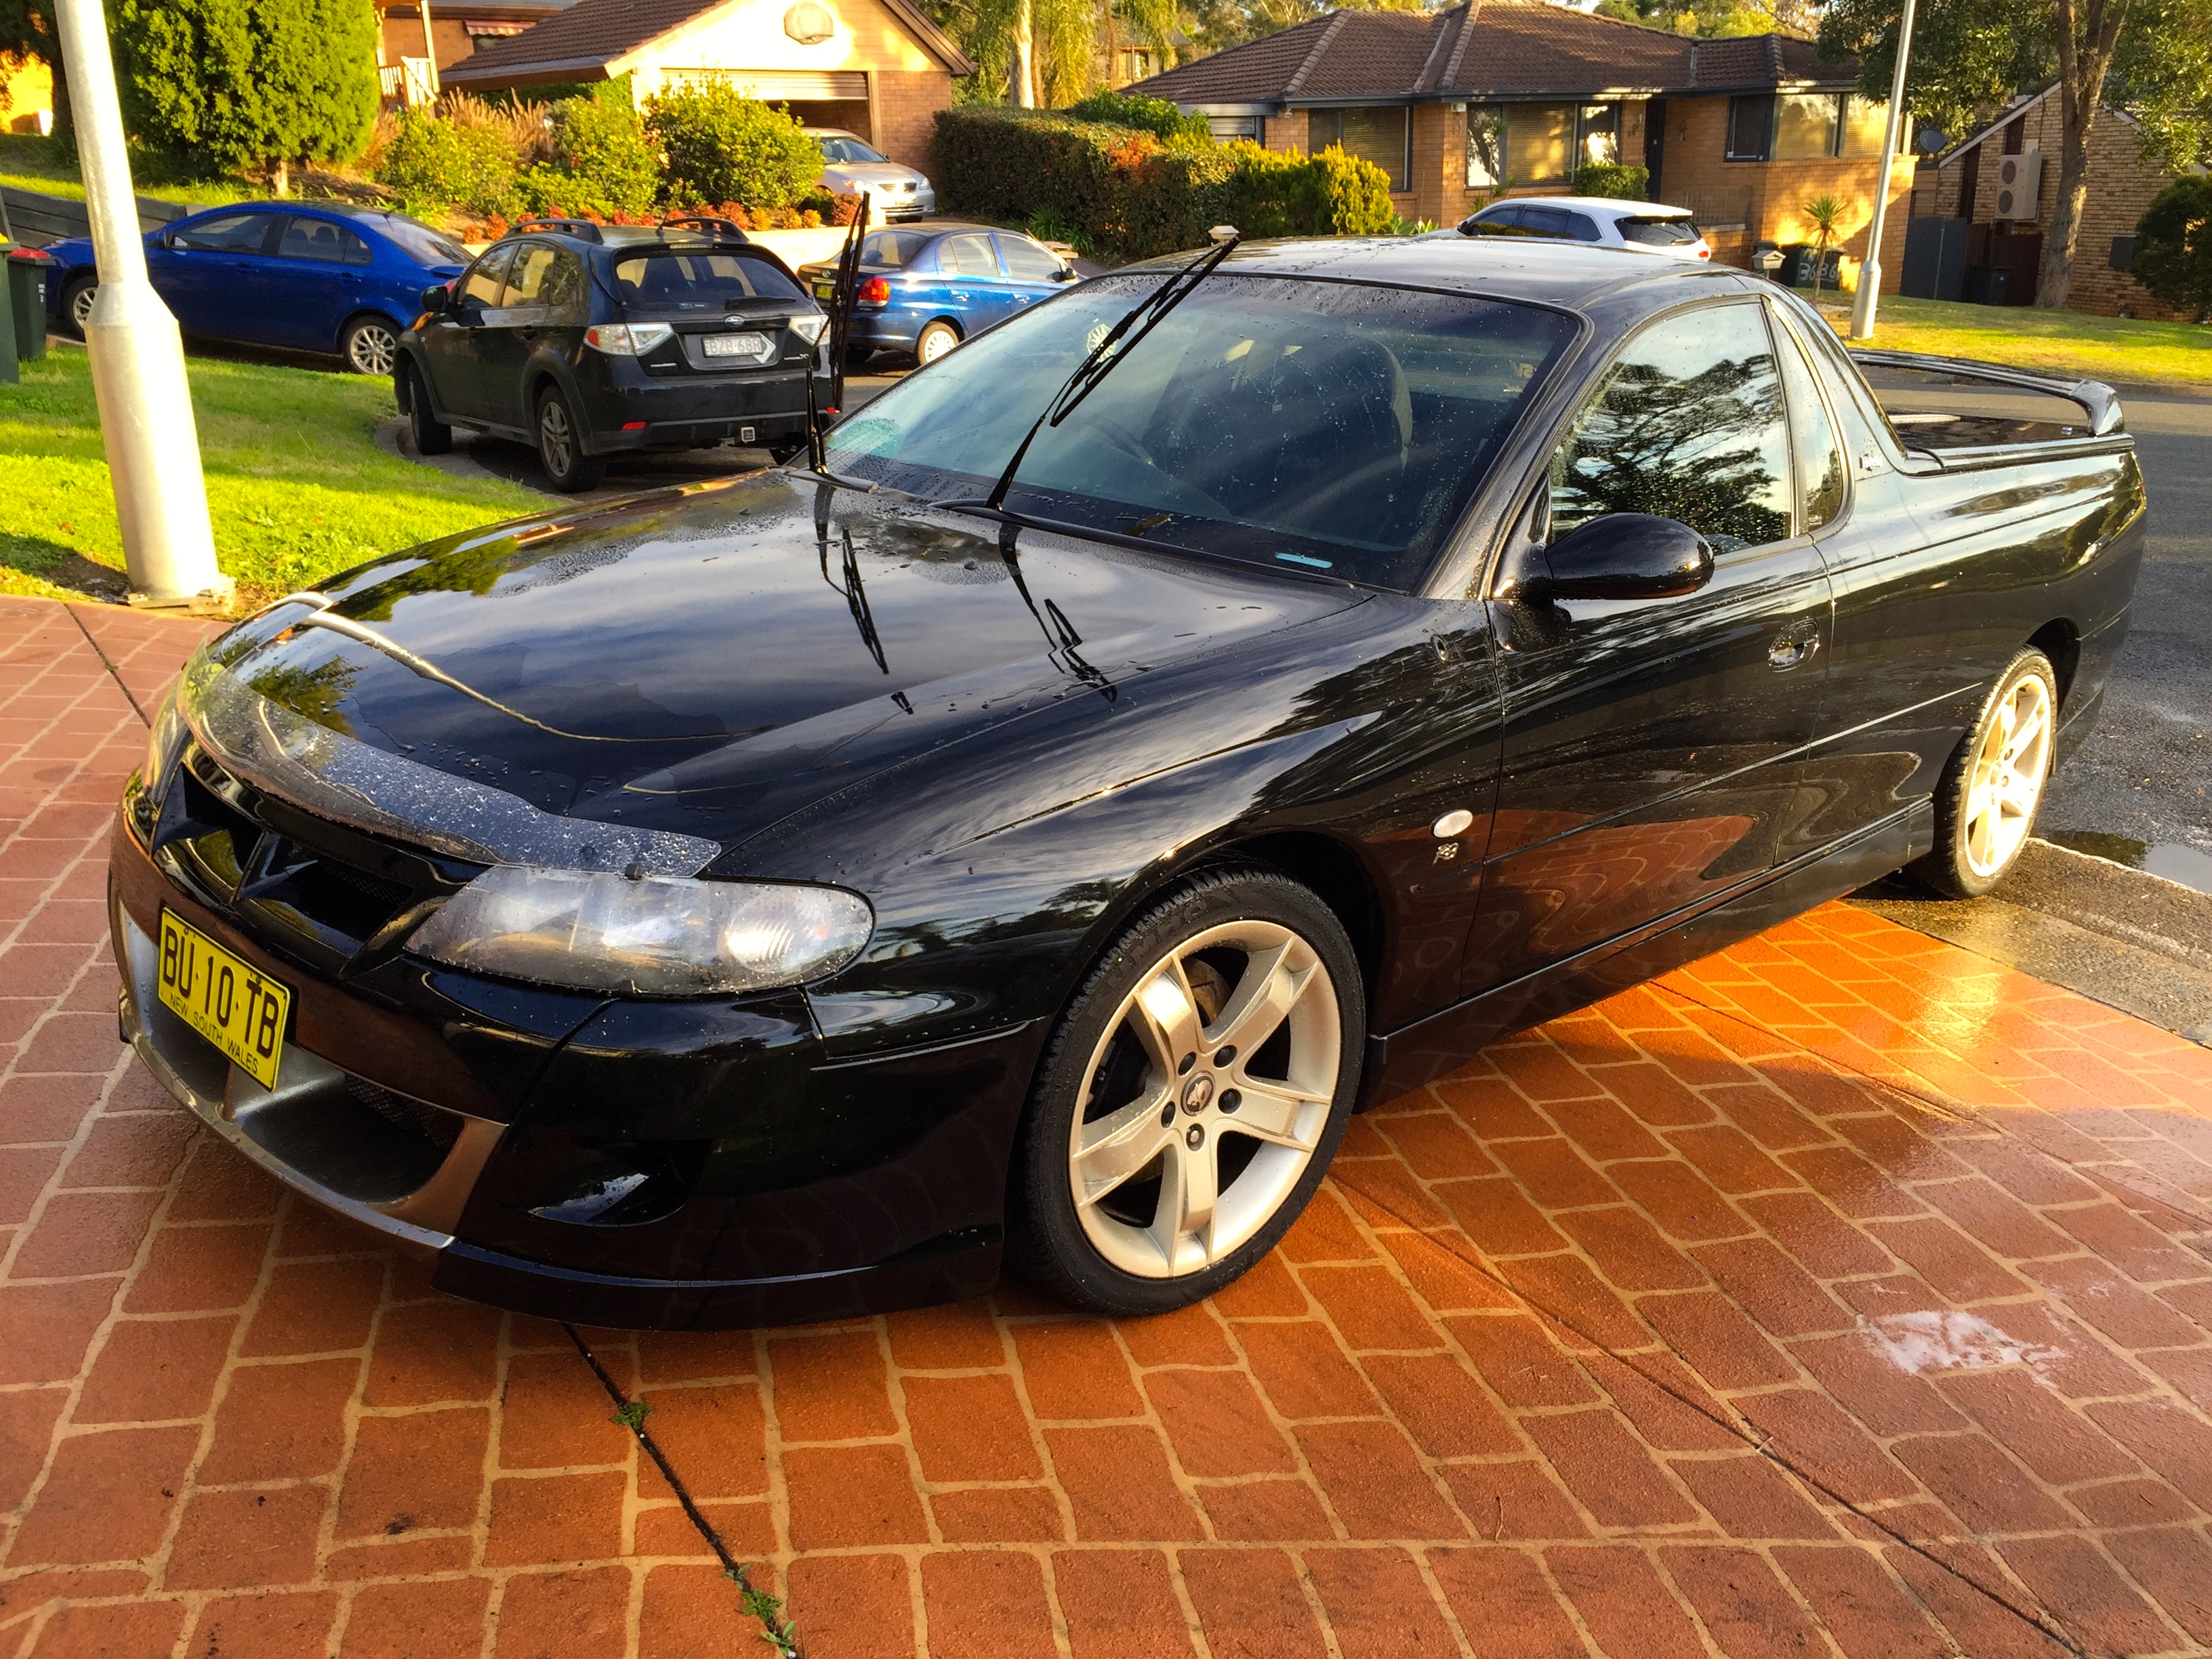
x: 2010, y: 769
x: 557, y: 442
x: 80, y: 305
x: 372, y: 349
x: 1204, y: 1098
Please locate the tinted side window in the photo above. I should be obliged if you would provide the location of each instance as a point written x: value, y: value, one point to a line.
x: 547, y: 277
x: 967, y: 256
x: 321, y: 241
x: 1026, y: 260
x: 1548, y: 221
x: 1687, y: 424
x: 1503, y: 216
x: 487, y: 276
x: 1819, y: 456
x: 1583, y: 227
x: 233, y: 233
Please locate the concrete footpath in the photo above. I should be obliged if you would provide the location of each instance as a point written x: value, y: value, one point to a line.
x: 1845, y: 1293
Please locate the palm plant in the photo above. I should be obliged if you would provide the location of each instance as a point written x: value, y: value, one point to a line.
x: 1824, y: 214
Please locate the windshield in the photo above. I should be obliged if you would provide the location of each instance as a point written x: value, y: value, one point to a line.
x: 846, y: 149
x: 418, y: 241
x: 1319, y: 426
x: 698, y: 281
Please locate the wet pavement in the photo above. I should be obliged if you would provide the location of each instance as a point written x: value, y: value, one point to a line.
x: 1845, y: 1293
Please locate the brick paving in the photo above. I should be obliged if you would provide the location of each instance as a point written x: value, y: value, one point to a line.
x: 1845, y: 1293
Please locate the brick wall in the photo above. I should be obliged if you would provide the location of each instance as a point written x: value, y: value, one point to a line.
x: 1286, y: 132
x: 1696, y: 161
x: 904, y: 104
x: 2121, y: 185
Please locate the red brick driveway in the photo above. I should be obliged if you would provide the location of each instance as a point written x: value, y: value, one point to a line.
x: 1844, y: 1293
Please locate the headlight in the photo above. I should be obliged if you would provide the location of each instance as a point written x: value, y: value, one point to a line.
x: 649, y: 935
x: 627, y: 339
x: 163, y: 743
x: 810, y: 327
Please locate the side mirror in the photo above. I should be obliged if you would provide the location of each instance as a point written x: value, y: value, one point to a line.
x: 1624, y: 555
x: 1065, y: 274
x: 436, y: 297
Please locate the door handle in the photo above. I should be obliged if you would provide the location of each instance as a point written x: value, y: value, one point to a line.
x: 1790, y: 648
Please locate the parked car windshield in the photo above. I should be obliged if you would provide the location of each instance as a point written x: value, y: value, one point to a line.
x: 1313, y: 426
x: 846, y: 149
x: 656, y: 276
x: 418, y: 241
x: 1659, y: 232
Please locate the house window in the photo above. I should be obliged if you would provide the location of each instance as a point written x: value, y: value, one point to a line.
x: 1381, y: 133
x: 1485, y: 146
x: 1866, y: 125
x: 1136, y: 62
x: 1598, y: 135
x: 1804, y: 126
x: 1751, y: 127
x: 1227, y: 128
x: 1540, y: 139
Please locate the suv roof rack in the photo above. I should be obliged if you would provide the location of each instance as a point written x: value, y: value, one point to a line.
x: 583, y: 230
x: 718, y: 228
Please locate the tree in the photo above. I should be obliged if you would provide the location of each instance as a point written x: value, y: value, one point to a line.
x: 1711, y: 18
x: 2173, y: 246
x: 1824, y: 213
x: 1970, y: 57
x: 247, y: 85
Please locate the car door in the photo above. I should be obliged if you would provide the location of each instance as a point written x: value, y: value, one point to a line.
x: 321, y: 277
x: 513, y: 329
x: 452, y: 337
x: 1655, y: 750
x: 209, y: 268
x: 1033, y: 271
x: 972, y: 278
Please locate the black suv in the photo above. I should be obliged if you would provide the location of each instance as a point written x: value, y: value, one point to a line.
x: 589, y: 340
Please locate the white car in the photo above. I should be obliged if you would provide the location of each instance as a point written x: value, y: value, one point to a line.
x: 851, y: 165
x: 1639, y: 226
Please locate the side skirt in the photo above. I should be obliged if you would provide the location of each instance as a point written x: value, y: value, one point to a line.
x: 1405, y: 1058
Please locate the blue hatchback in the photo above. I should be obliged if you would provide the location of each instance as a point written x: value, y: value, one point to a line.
x: 312, y: 277
x: 924, y: 288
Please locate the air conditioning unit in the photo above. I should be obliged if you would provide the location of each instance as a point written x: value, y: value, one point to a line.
x: 2019, y: 183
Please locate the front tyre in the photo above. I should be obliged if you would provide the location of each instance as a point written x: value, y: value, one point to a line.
x: 370, y: 345
x: 561, y: 446
x: 1191, y: 1099
x: 1985, y: 804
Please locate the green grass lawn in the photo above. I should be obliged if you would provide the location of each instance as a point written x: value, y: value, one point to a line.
x: 296, y: 485
x: 30, y: 162
x: 2114, y: 349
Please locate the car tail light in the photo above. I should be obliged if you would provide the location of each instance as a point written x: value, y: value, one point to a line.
x: 876, y: 291
x: 628, y: 339
x: 1704, y: 254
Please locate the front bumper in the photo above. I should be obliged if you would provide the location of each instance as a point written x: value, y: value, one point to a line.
x: 657, y: 1165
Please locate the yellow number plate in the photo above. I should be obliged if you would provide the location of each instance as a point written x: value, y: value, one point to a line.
x: 231, y: 1003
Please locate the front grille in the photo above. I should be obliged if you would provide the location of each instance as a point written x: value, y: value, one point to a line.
x: 434, y: 1124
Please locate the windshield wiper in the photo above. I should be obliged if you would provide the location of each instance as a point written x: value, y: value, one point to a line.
x: 1142, y: 318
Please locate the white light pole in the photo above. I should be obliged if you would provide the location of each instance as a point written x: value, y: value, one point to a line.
x: 1870, y: 294
x: 138, y: 356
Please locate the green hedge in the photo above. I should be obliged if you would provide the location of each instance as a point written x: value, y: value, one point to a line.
x: 1131, y: 195
x: 1625, y: 183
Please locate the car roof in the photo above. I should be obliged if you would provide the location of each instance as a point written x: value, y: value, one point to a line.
x: 1569, y: 275
x: 835, y: 132
x: 1609, y: 207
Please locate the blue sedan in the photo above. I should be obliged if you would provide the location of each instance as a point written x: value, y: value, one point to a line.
x: 925, y: 289
x: 320, y: 277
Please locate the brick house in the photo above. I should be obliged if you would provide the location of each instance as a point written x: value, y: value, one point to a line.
x: 2003, y: 226
x: 1508, y: 96
x: 879, y: 68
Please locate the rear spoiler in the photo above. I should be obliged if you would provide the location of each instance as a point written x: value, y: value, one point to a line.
x: 2099, y: 401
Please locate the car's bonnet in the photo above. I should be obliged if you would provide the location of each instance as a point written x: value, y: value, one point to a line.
x: 712, y: 658
x: 874, y: 172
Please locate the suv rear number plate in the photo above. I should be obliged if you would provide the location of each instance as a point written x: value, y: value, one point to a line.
x: 231, y: 1003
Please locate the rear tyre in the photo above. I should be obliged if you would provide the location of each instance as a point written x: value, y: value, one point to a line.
x: 561, y: 446
x: 76, y: 303
x: 1192, y: 1097
x: 1985, y: 804
x: 858, y: 357
x: 936, y: 340
x: 370, y: 345
x: 432, y: 436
